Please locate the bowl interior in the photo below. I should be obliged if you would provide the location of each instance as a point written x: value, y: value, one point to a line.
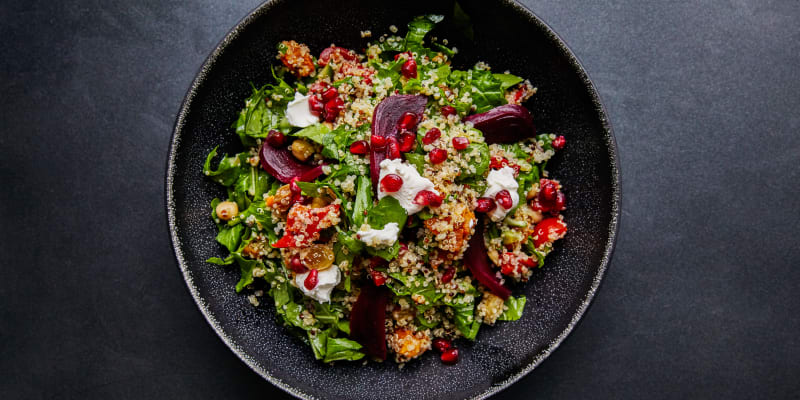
x: 507, y: 37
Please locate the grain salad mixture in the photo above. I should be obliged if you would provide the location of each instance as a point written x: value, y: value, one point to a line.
x: 387, y: 200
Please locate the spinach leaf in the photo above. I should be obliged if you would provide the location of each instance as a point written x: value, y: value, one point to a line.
x: 464, y: 313
x: 507, y: 80
x: 230, y: 236
x: 336, y: 141
x: 314, y: 132
x: 417, y: 160
x: 486, y: 91
x: 256, y: 119
x: 363, y: 200
x: 342, y: 349
x: 227, y: 171
x: 418, y: 28
x: 415, y: 285
x: 388, y: 210
x: 514, y: 311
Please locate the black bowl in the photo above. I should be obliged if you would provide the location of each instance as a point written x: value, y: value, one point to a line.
x: 508, y: 37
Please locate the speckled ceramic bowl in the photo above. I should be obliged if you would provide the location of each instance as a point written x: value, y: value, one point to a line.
x: 508, y: 37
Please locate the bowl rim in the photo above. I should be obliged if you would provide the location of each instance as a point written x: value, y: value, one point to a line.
x: 613, y: 228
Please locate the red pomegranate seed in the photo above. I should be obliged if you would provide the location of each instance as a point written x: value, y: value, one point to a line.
x: 408, y: 121
x: 332, y: 109
x: 311, y: 279
x: 527, y: 261
x: 507, y: 269
x: 428, y: 198
x: 276, y: 138
x: 442, y: 345
x: 460, y: 142
x: 293, y: 185
x: 318, y: 87
x: 560, y: 201
x: 392, y: 149
x: 485, y: 205
x: 437, y: 156
x: 431, y: 136
x: 377, y: 142
x: 329, y: 94
x: 559, y: 142
x: 391, y: 183
x: 448, y: 275
x: 504, y: 199
x: 547, y: 190
x: 448, y: 111
x: 409, y: 69
x: 407, y: 141
x: 296, y: 264
x: 359, y: 147
x: 378, y: 278
x: 315, y: 105
x: 450, y: 356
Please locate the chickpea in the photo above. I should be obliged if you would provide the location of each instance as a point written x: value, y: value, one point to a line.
x: 301, y: 149
x: 227, y: 210
x: 532, y: 193
x: 318, y: 202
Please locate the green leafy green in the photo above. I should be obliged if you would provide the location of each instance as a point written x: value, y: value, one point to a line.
x: 319, y: 343
x: 336, y: 141
x: 507, y: 80
x: 418, y: 28
x: 417, y: 160
x: 314, y: 132
x: 256, y: 119
x: 230, y: 236
x: 342, y: 349
x: 246, y: 267
x: 386, y: 211
x: 482, y: 163
x: 514, y: 309
x: 253, y: 181
x: 363, y: 200
x: 227, y: 171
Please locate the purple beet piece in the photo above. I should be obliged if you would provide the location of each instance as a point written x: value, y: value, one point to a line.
x: 384, y: 123
x: 505, y: 124
x: 477, y: 261
x: 367, y: 320
x: 281, y: 164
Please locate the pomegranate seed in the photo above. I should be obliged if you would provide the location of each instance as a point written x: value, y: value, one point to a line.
x: 391, y: 183
x: 507, y: 269
x: 359, y: 147
x: 332, y: 109
x: 377, y: 142
x: 315, y: 105
x: 437, y: 156
x: 527, y: 261
x: 409, y: 69
x: 548, y: 190
x: 276, y: 138
x: 431, y: 136
x: 318, y: 87
x: 485, y: 205
x: 428, y: 198
x: 392, y: 149
x: 460, y: 142
x: 448, y: 275
x: 378, y: 278
x: 450, y: 356
x: 442, y: 345
x: 296, y: 264
x: 504, y: 199
x: 559, y: 142
x: 293, y: 185
x: 329, y: 94
x: 560, y: 201
x: 407, y: 141
x: 448, y: 111
x: 408, y: 121
x: 311, y: 280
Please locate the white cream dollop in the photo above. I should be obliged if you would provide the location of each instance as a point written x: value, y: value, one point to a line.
x: 297, y: 112
x: 327, y: 280
x: 501, y: 179
x: 379, y: 237
x: 413, y: 183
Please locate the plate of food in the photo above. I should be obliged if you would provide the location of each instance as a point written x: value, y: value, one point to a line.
x: 416, y: 200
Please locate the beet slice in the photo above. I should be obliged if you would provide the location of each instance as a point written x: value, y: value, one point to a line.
x: 505, y: 124
x: 367, y: 320
x: 384, y: 123
x: 281, y: 164
x: 477, y: 261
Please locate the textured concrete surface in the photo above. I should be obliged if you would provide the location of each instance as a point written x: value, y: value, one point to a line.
x: 700, y: 299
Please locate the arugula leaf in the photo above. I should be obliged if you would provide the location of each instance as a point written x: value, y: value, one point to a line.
x: 514, y: 311
x: 326, y: 313
x: 418, y: 28
x: 314, y: 132
x: 319, y: 343
x: 335, y: 141
x: 218, y: 261
x: 227, y: 171
x: 256, y: 119
x: 507, y: 80
x: 246, y: 267
x: 230, y: 236
x: 252, y: 181
x: 342, y: 349
x: 363, y: 200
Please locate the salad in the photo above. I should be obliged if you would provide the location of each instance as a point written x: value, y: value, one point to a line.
x: 385, y: 202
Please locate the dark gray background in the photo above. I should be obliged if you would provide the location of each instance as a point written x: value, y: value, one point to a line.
x: 700, y: 300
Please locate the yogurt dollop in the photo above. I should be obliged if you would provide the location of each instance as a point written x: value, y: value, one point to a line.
x: 379, y: 237
x: 501, y: 179
x: 413, y: 183
x: 327, y: 280
x: 297, y: 112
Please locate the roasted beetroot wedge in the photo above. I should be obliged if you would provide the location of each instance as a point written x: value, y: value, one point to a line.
x: 477, y: 261
x: 505, y: 124
x: 280, y: 163
x: 384, y: 123
x: 367, y: 320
